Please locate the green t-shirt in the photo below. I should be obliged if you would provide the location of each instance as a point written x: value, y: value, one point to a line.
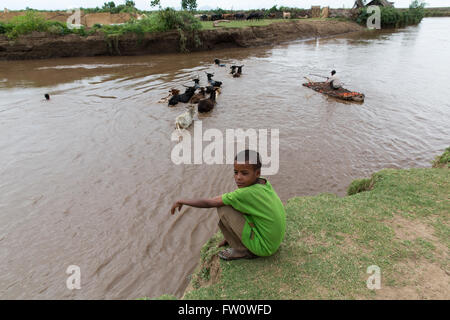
x: 264, y: 214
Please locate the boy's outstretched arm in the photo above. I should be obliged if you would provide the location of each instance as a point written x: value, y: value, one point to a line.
x: 198, y: 203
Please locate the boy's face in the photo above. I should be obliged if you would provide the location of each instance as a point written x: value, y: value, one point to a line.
x: 245, y: 174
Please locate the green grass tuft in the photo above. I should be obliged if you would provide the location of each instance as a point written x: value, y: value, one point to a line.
x: 360, y: 185
x: 443, y: 160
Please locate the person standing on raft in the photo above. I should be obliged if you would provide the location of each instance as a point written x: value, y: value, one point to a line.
x: 252, y: 218
x: 334, y: 81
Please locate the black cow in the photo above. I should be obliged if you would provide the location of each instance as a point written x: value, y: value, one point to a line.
x: 239, y: 16
x: 239, y: 72
x: 255, y: 15
x: 211, y: 81
x: 215, y: 17
x: 185, y: 97
x: 197, y: 83
x: 204, y: 17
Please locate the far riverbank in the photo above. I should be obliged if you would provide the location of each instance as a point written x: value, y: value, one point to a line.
x: 41, y: 45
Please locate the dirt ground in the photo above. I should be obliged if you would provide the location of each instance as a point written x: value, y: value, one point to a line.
x: 421, y: 278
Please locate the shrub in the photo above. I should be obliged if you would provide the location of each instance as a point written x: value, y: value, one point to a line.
x: 182, y: 21
x: 57, y: 25
x: 169, y: 19
x: 31, y: 21
x: 3, y: 28
x: 82, y: 31
x: 416, y: 11
x: 391, y: 17
x: 164, y: 20
x: 57, y: 30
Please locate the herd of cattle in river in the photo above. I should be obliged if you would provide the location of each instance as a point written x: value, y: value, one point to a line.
x: 196, y: 96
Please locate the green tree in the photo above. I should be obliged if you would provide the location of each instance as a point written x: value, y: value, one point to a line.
x: 130, y: 3
x: 416, y: 4
x: 273, y: 9
x: 109, y: 5
x: 190, y: 5
x: 155, y: 3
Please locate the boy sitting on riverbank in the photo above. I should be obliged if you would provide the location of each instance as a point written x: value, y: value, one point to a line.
x: 252, y: 218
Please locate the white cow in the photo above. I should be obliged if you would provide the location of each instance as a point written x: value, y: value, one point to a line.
x: 184, y: 120
x: 286, y: 15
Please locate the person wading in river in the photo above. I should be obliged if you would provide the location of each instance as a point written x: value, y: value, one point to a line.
x: 334, y: 82
x: 252, y: 218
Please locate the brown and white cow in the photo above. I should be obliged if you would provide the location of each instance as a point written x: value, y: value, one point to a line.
x: 228, y: 16
x: 286, y: 15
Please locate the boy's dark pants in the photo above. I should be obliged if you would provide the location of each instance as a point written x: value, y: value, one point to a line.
x: 231, y: 224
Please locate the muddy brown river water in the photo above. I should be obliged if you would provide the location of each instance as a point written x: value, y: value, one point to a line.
x: 87, y: 179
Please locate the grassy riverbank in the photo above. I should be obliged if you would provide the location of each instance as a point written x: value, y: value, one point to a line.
x: 160, y: 21
x: 401, y: 225
x: 209, y: 25
x: 437, y: 12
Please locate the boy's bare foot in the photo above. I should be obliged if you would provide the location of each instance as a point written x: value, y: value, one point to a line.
x: 223, y: 243
x: 234, y: 254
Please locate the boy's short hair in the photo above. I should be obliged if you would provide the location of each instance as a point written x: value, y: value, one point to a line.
x: 333, y: 72
x: 251, y: 157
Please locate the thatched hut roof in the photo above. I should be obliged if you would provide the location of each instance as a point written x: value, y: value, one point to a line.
x: 382, y: 3
x: 358, y: 4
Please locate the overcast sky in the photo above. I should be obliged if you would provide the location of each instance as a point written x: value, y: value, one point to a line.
x: 225, y: 4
